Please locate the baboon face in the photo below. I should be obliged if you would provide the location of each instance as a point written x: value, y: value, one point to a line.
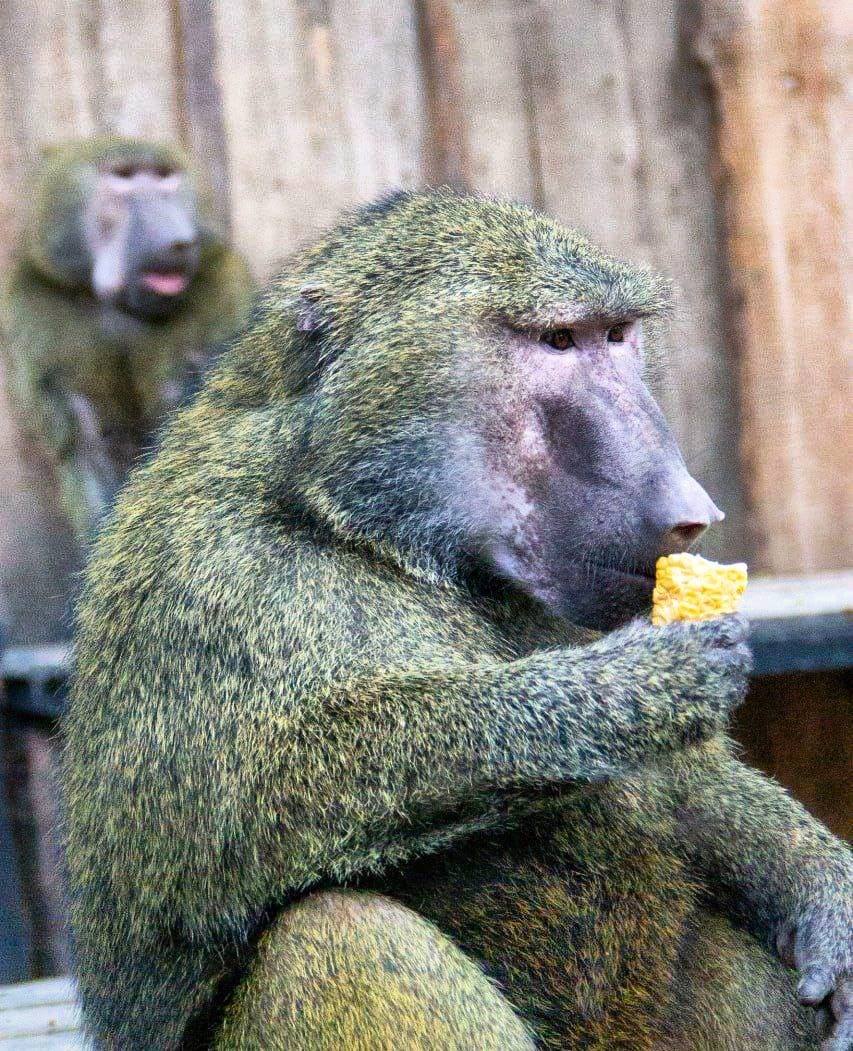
x: 581, y: 484
x: 118, y: 218
x: 486, y: 399
x: 142, y: 232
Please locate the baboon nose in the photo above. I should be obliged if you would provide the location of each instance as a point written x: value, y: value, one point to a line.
x: 685, y: 515
x: 184, y: 245
x: 686, y: 532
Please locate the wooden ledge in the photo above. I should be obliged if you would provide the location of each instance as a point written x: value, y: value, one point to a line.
x: 40, y: 1016
x: 799, y: 623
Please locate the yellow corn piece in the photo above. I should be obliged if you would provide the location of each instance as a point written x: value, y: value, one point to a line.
x: 689, y: 587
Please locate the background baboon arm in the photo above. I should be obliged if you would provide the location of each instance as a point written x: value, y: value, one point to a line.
x: 86, y: 473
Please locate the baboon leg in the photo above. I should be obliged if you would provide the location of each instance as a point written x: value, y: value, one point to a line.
x: 734, y: 996
x: 351, y: 971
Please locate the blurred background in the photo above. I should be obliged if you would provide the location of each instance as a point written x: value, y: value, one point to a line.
x: 710, y: 138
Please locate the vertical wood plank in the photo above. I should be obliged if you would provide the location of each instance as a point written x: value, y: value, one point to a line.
x: 74, y: 67
x: 136, y: 48
x: 499, y: 140
x: 327, y: 113
x: 579, y: 81
x: 200, y: 107
x: 71, y: 68
x: 778, y: 69
x: 446, y: 148
x: 799, y: 729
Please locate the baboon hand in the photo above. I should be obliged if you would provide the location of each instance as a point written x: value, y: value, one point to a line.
x: 820, y: 946
x: 695, y: 672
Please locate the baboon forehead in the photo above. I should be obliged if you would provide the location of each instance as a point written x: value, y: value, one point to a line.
x: 69, y: 171
x: 459, y: 243
x: 104, y: 151
x: 433, y: 222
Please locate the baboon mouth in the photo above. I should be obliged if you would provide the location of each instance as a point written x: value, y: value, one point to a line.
x: 165, y: 282
x: 638, y: 574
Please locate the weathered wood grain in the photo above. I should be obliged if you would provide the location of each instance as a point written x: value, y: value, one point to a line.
x: 75, y: 67
x: 697, y: 380
x: 329, y: 112
x: 501, y: 154
x: 779, y: 70
x: 200, y: 102
x: 446, y: 155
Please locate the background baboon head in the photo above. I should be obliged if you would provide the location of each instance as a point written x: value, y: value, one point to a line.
x: 119, y: 218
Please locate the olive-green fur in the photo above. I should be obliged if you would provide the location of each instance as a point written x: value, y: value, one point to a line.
x: 56, y: 346
x: 286, y: 683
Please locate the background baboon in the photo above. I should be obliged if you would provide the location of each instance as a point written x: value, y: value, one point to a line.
x: 121, y: 290
x: 344, y: 744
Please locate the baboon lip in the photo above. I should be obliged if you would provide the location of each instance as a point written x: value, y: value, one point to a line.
x: 165, y: 282
x: 636, y: 573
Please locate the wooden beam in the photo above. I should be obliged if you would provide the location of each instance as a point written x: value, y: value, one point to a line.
x: 778, y: 72
x: 34, y: 679
x: 40, y: 1016
x: 816, y: 595
x: 815, y: 612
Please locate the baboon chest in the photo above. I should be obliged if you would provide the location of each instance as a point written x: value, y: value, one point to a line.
x: 564, y: 922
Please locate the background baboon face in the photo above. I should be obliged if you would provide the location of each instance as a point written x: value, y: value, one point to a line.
x: 142, y: 232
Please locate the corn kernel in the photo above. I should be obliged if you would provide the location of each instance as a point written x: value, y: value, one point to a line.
x: 689, y: 587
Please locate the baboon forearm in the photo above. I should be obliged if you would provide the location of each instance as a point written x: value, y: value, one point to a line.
x: 769, y: 855
x: 410, y: 747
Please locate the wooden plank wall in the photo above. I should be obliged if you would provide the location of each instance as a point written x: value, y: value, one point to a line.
x: 703, y: 136
x: 781, y: 73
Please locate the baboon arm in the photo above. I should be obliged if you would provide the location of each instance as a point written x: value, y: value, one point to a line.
x: 542, y: 718
x: 772, y: 859
x: 390, y: 750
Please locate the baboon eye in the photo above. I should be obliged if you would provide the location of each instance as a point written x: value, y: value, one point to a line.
x: 617, y: 334
x: 123, y: 171
x: 558, y: 338
x: 163, y: 171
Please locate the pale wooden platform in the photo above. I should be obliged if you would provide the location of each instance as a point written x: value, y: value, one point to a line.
x: 40, y: 1016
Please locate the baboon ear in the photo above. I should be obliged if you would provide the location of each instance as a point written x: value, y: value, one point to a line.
x: 311, y: 311
x: 309, y: 315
